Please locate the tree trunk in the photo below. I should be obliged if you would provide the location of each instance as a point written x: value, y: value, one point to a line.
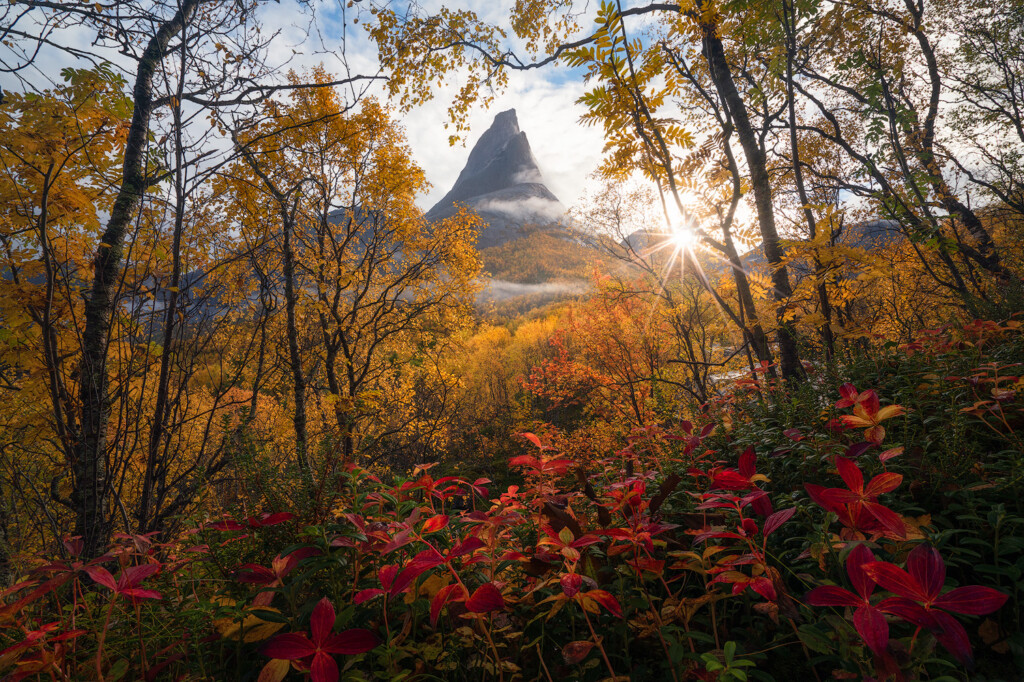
x: 714, y: 53
x: 295, y: 359
x: 827, y: 339
x: 91, y: 488
x: 162, y: 404
x: 986, y: 254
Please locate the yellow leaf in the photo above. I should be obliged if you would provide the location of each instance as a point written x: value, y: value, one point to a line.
x: 252, y: 628
x: 915, y: 524
x: 429, y: 588
x: 274, y: 671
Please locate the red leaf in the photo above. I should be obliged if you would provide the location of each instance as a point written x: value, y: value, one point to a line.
x: 426, y: 559
x: 70, y: 634
x: 227, y: 525
x: 869, y: 401
x: 973, y: 600
x: 929, y: 570
x: 748, y: 464
x: 773, y: 522
x: 830, y: 595
x: 386, y: 575
x: 952, y: 635
x: 730, y: 479
x: 102, y: 576
x: 293, y: 559
x: 855, y: 561
x: 907, y: 610
x: 367, y: 595
x: 606, y: 600
x: 872, y: 627
x: 399, y: 540
x: 888, y: 518
x: 270, y: 519
x: 764, y: 587
x: 323, y: 668
x: 406, y: 577
x: 470, y: 544
x: 322, y: 621
x: 255, y: 574
x: 858, y: 449
x: 74, y: 545
x: 133, y: 575
x: 890, y: 453
x: 817, y: 493
x: 883, y: 483
x: 355, y: 641
x: 435, y: 523
x: 875, y: 434
x: 525, y: 461
x: 356, y: 520
x: 849, y: 393
x: 850, y: 474
x: 896, y: 580
x: 139, y: 593
x: 485, y: 599
x: 571, y: 584
x: 444, y: 595
x: 532, y: 438
x: 574, y: 652
x: 290, y: 646
x: 558, y: 466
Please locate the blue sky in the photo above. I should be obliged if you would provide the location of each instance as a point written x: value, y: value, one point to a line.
x: 544, y: 100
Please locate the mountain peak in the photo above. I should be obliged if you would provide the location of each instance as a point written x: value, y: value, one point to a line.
x: 503, y: 183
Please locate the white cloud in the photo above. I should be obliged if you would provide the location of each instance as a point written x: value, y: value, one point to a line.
x: 530, y: 209
x: 528, y: 175
x: 502, y: 289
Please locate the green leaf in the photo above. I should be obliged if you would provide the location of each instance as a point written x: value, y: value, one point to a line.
x: 118, y: 670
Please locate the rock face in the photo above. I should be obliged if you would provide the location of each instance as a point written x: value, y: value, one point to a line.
x: 501, y: 182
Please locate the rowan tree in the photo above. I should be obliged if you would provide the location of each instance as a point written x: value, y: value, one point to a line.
x: 371, y: 289
x: 219, y: 53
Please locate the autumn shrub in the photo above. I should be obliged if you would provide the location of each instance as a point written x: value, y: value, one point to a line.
x: 756, y: 541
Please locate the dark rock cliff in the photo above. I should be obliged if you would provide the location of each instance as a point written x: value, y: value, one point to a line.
x: 503, y: 183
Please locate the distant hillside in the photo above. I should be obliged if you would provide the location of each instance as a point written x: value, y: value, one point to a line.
x: 540, y: 256
x: 543, y: 267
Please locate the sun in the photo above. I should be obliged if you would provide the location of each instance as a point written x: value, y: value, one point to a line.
x: 683, y: 238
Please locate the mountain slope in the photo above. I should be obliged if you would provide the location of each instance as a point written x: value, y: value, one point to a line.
x: 502, y: 182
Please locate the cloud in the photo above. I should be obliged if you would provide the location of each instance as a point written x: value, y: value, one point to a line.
x: 502, y: 290
x: 528, y: 175
x: 529, y: 209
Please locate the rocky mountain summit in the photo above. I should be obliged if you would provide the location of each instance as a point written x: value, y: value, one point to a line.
x: 502, y: 182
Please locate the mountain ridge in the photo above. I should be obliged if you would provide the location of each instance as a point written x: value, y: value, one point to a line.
x: 502, y: 182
